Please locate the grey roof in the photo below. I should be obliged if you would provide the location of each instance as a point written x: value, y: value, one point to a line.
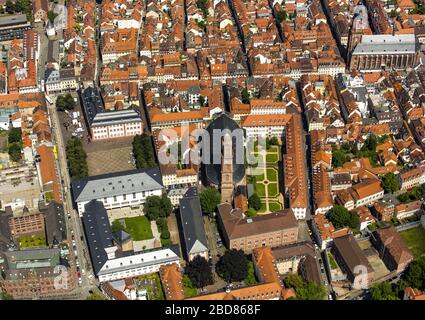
x: 98, y: 233
x: 32, y: 258
x: 55, y: 223
x: 67, y: 73
x: 148, y: 258
x: 387, y: 44
x: 114, y: 184
x: 51, y: 75
x: 11, y: 20
x: 192, y: 223
x: 5, y: 234
x: 91, y: 103
x: 116, y: 116
x: 213, y: 170
x: 121, y: 236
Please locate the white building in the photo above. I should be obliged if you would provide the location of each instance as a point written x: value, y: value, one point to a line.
x: 108, y: 262
x: 265, y: 125
x: 116, y: 124
x: 117, y: 190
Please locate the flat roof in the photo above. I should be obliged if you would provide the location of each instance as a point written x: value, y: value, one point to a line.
x: 15, y: 19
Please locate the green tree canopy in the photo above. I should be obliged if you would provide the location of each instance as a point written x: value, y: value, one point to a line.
x: 143, y: 152
x: 246, y: 98
x: 254, y: 202
x: 77, y: 159
x: 199, y: 272
x: 415, y: 274
x: 305, y: 290
x: 210, y: 198
x: 157, y: 207
x: 390, y: 183
x: 341, y: 217
x: 233, y: 266
x: 383, y: 291
x: 95, y: 296
x: 65, y: 102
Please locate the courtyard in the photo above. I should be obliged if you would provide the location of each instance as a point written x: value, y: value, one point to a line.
x: 139, y: 228
x: 264, y: 177
x: 109, y: 156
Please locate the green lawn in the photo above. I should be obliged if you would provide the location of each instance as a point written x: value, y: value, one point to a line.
x: 260, y: 189
x: 48, y: 196
x: 275, y: 206
x: 263, y: 207
x: 189, y: 290
x: 415, y: 240
x: 155, y: 291
x: 29, y: 242
x: 332, y: 261
x: 273, y: 190
x: 271, y: 174
x: 139, y: 228
x: 272, y: 157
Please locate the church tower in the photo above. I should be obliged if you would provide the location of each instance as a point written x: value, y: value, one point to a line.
x: 227, y: 186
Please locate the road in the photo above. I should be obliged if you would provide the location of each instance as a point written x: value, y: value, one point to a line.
x: 74, y: 225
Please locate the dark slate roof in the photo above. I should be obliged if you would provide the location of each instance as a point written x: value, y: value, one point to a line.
x: 91, y: 103
x: 121, y: 236
x: 5, y: 235
x: 98, y: 233
x: 213, y: 170
x: 55, y: 223
x: 106, y: 185
x: 192, y: 222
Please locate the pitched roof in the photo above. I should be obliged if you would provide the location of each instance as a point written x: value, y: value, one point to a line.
x: 192, y: 223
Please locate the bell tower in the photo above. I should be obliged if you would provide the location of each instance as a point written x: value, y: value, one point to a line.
x: 227, y: 185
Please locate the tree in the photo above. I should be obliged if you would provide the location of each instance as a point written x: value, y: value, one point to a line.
x: 15, y: 135
x: 281, y: 16
x: 15, y: 152
x: 210, y: 198
x: 65, y: 102
x: 293, y: 281
x: 251, y: 212
x: 5, y: 296
x: 338, y: 158
x: 341, y: 217
x: 254, y: 202
x: 415, y: 274
x: 117, y: 226
x: 51, y: 15
x: 274, y: 141
x: 157, y: 207
x: 383, y: 291
x: 390, y: 183
x: 77, y: 159
x: 233, y: 266
x: 10, y: 7
x: 95, y: 296
x: 251, y: 279
x: 305, y: 290
x: 246, y: 98
x: 371, y: 143
x: 143, y: 152
x: 203, y: 5
x: 199, y: 272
